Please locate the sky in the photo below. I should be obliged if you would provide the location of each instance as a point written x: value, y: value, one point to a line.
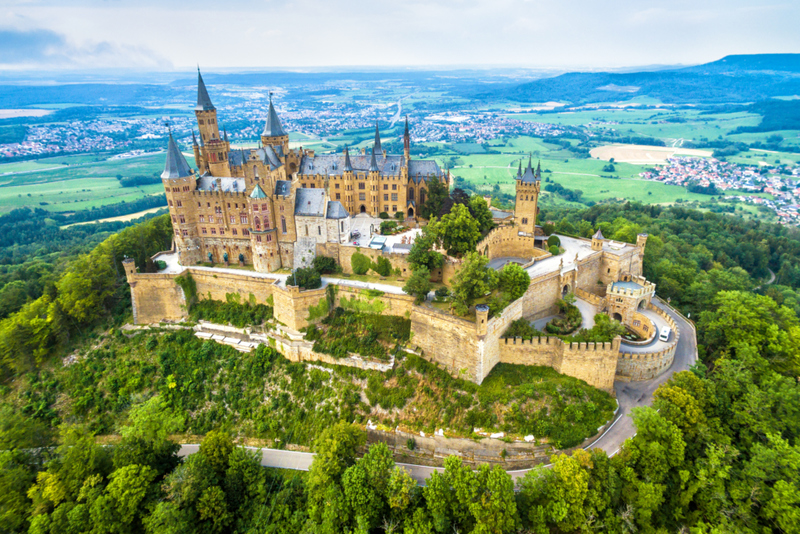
x: 239, y: 34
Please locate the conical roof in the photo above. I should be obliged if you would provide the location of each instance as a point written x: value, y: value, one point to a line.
x: 175, y: 166
x: 258, y: 192
x: 348, y: 167
x: 225, y: 135
x: 519, y: 171
x: 203, y: 100
x: 377, y: 139
x: 598, y: 235
x: 373, y: 163
x: 273, y: 127
x: 528, y: 175
x: 194, y: 139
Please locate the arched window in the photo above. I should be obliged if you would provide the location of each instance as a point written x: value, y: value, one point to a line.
x: 283, y: 224
x: 411, y: 194
x: 422, y: 196
x: 257, y: 222
x: 255, y: 171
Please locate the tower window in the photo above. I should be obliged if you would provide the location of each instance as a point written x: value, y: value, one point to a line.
x: 524, y: 220
x: 283, y: 223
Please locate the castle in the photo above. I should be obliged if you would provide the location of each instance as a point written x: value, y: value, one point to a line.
x: 269, y: 206
x: 274, y: 207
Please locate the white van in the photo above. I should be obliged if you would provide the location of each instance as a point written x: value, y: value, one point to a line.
x: 665, y: 332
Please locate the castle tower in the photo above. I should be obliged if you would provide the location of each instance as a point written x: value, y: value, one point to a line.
x: 641, y: 241
x: 526, y: 207
x: 198, y: 158
x: 179, y: 184
x: 274, y: 135
x: 481, y: 319
x: 214, y: 149
x: 263, y: 236
x: 597, y: 240
x: 373, y: 182
x: 407, y: 143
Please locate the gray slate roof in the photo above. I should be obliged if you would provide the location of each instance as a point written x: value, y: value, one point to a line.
x: 528, y: 176
x: 258, y: 192
x: 203, y: 100
x: 237, y: 158
x: 273, y: 126
x: 336, y: 210
x: 310, y: 202
x: 377, y: 146
x: 227, y: 184
x: 422, y: 169
x: 598, y: 235
x: 283, y: 188
x: 175, y: 166
x: 267, y: 155
x: 334, y: 164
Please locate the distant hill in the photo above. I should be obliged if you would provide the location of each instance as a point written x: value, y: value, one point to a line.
x: 732, y: 79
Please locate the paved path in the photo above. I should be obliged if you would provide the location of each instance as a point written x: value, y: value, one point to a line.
x: 655, y: 345
x: 629, y: 396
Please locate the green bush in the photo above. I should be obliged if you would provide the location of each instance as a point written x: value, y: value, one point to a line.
x: 305, y: 278
x: 522, y: 328
x: 161, y: 265
x: 400, y: 216
x: 367, y: 334
x: 553, y: 240
x: 383, y: 215
x: 383, y: 266
x: 554, y: 250
x: 240, y: 315
x: 442, y: 292
x: 325, y: 265
x: 360, y: 263
x: 387, y: 227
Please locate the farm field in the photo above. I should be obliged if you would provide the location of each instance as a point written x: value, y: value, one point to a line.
x: 84, y: 184
x: 642, y: 154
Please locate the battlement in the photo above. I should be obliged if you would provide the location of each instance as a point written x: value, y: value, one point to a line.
x: 632, y: 288
x: 229, y: 194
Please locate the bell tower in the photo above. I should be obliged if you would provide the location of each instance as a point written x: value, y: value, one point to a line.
x: 214, y: 150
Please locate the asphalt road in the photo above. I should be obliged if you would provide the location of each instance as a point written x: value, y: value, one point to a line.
x: 629, y: 396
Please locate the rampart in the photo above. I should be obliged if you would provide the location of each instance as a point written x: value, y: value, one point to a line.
x: 633, y: 366
x: 505, y: 242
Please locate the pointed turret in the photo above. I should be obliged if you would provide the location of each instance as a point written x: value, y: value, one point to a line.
x: 194, y: 139
x: 258, y: 193
x: 203, y: 100
x: 539, y: 170
x: 348, y: 167
x: 175, y: 166
x: 407, y: 143
x: 528, y: 175
x: 373, y: 163
x: 519, y: 171
x: 377, y: 139
x: 273, y: 126
x: 225, y: 134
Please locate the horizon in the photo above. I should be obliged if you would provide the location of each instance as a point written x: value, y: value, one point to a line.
x: 77, y: 35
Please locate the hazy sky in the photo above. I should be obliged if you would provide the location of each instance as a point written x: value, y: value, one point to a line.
x: 167, y: 34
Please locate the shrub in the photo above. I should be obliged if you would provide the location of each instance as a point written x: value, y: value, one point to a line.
x: 383, y: 215
x: 442, y: 292
x: 360, y: 263
x: 383, y: 267
x: 400, y: 216
x: 325, y: 265
x: 161, y: 265
x: 553, y: 240
x: 239, y: 315
x: 411, y: 443
x: 305, y: 278
x: 521, y: 328
x: 387, y: 227
x: 554, y: 250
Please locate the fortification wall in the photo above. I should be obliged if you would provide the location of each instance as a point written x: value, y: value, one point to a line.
x: 390, y: 303
x: 447, y: 340
x: 217, y: 285
x: 291, y: 305
x: 645, y: 366
x: 156, y: 297
x: 643, y: 326
x: 504, y: 242
x: 589, y: 274
x: 598, y: 301
x: 594, y: 363
x: 542, y: 295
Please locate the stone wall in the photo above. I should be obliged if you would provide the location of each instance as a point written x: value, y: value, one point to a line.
x: 542, y: 295
x: 156, y: 298
x: 598, y: 301
x: 447, y: 340
x: 594, y: 363
x: 645, y: 366
x: 643, y: 326
x: 504, y: 242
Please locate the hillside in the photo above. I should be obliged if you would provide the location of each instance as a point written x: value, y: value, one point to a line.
x: 731, y: 79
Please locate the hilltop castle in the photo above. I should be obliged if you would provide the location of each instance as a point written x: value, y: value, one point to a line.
x: 270, y: 206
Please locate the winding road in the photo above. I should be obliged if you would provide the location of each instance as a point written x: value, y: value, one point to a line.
x: 630, y: 395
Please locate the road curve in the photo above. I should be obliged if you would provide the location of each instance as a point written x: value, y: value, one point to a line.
x: 629, y: 395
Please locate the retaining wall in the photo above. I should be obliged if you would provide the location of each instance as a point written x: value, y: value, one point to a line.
x: 645, y: 366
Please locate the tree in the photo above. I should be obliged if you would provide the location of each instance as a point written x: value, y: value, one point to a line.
x: 305, y: 278
x: 419, y: 284
x: 458, y: 231
x: 479, y: 210
x: 422, y: 253
x: 360, y: 263
x: 513, y: 281
x: 472, y: 281
x: 434, y: 200
x: 383, y: 266
x: 216, y: 447
x: 553, y: 240
x: 325, y: 265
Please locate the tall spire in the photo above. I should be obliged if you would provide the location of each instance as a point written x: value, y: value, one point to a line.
x: 203, y: 100
x: 539, y: 170
x: 377, y: 139
x: 175, y: 166
x: 273, y: 127
x: 373, y: 164
x: 348, y: 167
x: 519, y: 171
x: 530, y: 161
x: 405, y: 134
x: 225, y: 135
x: 194, y: 139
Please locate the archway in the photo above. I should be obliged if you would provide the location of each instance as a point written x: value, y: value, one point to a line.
x: 410, y: 212
x: 617, y: 317
x: 642, y: 304
x: 363, y: 208
x: 564, y: 290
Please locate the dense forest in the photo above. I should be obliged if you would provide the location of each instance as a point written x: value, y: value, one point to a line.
x: 717, y: 452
